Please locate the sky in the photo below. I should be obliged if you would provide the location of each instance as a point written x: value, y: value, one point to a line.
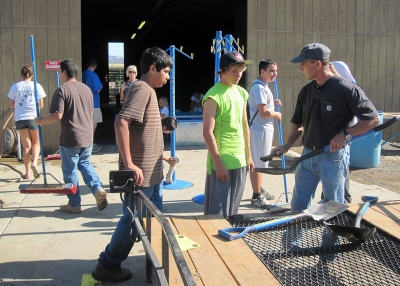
x: 116, y: 49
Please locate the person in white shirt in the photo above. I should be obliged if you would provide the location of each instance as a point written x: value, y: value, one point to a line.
x: 23, y: 101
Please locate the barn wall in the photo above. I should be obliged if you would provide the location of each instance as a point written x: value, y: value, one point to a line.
x: 56, y: 27
x: 363, y: 33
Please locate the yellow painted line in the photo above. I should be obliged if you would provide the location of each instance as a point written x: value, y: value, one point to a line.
x: 88, y: 280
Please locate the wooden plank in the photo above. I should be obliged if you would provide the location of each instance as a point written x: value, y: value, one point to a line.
x: 156, y: 244
x: 52, y: 13
x: 246, y: 267
x: 342, y: 16
x: 210, y: 268
x: 40, y: 12
x: 359, y: 16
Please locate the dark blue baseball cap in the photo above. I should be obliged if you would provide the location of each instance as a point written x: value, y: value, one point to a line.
x: 231, y: 58
x: 314, y: 51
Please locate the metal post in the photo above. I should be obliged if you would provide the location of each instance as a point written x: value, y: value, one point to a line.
x: 176, y: 184
x: 37, y: 109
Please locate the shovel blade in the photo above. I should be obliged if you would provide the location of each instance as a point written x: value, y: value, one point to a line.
x: 327, y: 210
x: 351, y: 231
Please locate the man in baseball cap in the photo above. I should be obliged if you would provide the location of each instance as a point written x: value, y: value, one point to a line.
x: 226, y: 133
x: 325, y: 107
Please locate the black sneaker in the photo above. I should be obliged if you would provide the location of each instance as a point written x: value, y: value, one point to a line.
x: 102, y: 273
x: 266, y: 194
x: 260, y: 202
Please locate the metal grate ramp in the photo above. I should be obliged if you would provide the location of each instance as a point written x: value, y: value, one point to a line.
x: 305, y: 252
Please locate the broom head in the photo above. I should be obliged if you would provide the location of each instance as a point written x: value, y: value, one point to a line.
x: 53, y: 157
x: 68, y: 189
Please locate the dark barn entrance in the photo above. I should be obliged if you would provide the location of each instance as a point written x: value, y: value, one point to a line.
x: 188, y: 23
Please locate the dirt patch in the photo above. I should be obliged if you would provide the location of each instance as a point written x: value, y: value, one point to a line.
x: 386, y: 175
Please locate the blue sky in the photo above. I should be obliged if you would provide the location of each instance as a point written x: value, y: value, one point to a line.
x: 116, y: 49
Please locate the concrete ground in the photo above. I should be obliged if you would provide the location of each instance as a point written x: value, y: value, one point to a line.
x: 42, y: 246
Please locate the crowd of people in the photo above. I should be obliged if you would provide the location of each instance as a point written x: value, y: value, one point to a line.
x: 324, y: 115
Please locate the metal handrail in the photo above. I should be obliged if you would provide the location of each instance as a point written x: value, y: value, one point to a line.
x: 168, y: 242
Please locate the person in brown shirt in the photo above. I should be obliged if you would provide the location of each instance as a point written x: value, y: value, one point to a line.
x: 72, y: 106
x: 139, y: 137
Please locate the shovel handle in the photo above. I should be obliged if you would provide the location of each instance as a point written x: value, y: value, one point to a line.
x: 227, y: 232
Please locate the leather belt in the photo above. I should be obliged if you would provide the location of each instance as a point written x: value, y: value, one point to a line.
x: 311, y: 148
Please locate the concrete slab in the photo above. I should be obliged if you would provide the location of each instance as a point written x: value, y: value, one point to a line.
x: 40, y: 245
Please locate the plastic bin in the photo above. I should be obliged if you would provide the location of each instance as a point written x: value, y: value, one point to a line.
x: 366, y: 152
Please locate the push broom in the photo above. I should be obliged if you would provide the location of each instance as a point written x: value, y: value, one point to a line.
x: 44, y: 188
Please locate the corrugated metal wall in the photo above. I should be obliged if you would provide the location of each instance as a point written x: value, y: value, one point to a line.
x: 363, y: 33
x: 56, y: 27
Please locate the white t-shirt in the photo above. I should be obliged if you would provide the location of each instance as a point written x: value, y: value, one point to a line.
x: 260, y: 94
x: 23, y: 93
x: 164, y: 111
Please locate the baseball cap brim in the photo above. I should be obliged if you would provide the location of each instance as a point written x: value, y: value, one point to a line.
x: 298, y: 59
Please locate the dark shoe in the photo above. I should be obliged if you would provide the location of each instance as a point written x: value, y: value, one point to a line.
x: 101, y: 199
x: 101, y: 273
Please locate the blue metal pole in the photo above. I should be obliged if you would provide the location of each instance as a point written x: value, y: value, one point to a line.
x: 172, y: 103
x: 281, y: 140
x: 58, y: 79
x: 218, y: 45
x: 228, y: 43
x: 37, y: 107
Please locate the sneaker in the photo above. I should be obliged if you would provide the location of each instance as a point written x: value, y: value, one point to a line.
x: 97, y: 146
x: 267, y: 194
x: 260, y: 202
x: 95, y: 150
x: 70, y: 209
x: 100, y: 273
x: 101, y: 199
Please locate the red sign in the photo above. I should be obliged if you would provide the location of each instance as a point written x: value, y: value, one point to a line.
x: 52, y: 65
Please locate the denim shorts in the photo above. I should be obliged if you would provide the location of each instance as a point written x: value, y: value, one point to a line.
x: 24, y: 124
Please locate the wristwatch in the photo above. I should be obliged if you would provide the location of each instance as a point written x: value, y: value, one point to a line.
x: 347, y: 135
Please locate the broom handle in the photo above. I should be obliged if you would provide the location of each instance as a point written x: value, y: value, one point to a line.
x: 281, y: 140
x: 37, y: 108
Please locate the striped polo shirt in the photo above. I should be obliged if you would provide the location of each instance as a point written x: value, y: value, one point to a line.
x: 145, y: 132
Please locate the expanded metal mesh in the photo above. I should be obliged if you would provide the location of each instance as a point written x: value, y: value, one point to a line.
x: 305, y: 252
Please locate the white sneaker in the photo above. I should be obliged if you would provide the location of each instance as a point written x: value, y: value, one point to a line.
x: 260, y: 202
x: 267, y: 194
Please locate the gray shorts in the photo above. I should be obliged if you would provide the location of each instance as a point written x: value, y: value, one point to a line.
x: 24, y: 124
x: 97, y: 116
x: 224, y: 197
x: 260, y: 145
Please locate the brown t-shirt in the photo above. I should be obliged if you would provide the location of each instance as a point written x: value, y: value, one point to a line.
x: 75, y: 101
x: 145, y: 132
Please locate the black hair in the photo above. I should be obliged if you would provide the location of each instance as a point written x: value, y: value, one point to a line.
x: 154, y: 56
x: 263, y: 65
x: 169, y: 122
x: 92, y: 62
x: 70, y: 66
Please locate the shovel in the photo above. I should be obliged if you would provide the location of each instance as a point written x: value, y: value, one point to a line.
x: 356, y: 231
x: 323, y: 211
x: 282, y: 171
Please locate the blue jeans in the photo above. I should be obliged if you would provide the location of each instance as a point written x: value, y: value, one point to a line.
x: 72, y: 160
x: 329, y: 168
x: 124, y: 235
x: 157, y: 196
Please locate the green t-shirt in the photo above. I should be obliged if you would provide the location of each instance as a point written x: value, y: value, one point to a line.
x: 228, y: 130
